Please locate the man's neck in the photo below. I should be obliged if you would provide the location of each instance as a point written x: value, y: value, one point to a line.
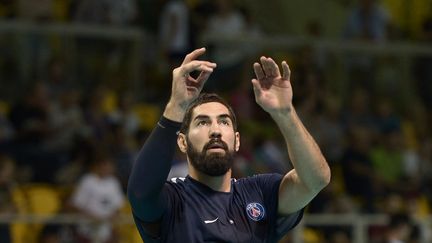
x: 217, y: 183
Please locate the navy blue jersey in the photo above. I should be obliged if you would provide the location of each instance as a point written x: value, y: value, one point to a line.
x: 196, y: 213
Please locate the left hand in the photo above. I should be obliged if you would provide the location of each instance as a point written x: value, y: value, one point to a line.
x: 272, y: 90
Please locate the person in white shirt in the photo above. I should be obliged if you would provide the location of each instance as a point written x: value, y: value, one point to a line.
x: 99, y: 197
x: 174, y: 31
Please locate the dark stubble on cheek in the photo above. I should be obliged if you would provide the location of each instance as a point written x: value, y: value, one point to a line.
x: 213, y: 164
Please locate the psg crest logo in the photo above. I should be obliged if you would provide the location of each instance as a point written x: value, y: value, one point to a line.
x: 255, y: 211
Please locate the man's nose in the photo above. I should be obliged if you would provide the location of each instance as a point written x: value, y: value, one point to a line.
x: 215, y: 131
x: 215, y: 135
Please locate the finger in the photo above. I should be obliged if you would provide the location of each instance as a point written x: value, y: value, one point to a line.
x: 267, y: 67
x: 274, y: 67
x: 258, y: 71
x: 193, y: 55
x: 256, y: 88
x: 286, y: 71
x: 202, y: 78
x: 197, y: 85
x: 196, y: 65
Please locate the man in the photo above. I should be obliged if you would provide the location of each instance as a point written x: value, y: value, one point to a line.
x: 208, y: 205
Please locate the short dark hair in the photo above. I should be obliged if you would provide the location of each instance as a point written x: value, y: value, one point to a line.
x: 202, y: 99
x: 399, y: 219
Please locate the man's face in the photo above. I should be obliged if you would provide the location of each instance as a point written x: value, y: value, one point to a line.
x: 211, y: 141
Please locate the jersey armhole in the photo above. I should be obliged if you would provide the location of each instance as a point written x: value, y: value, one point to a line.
x: 152, y: 229
x: 285, y: 223
x: 149, y: 230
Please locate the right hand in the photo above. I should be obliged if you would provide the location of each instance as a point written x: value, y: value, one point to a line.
x: 185, y: 88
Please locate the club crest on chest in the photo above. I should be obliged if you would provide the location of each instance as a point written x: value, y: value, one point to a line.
x: 255, y: 211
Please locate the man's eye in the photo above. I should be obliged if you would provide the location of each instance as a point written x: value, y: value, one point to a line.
x: 225, y: 122
x: 202, y: 123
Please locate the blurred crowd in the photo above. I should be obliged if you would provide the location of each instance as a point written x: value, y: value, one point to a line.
x: 80, y: 135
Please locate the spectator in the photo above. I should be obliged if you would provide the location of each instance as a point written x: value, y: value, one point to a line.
x: 386, y: 117
x: 387, y: 160
x: 174, y: 32
x: 367, y: 21
x: 56, y: 77
x: 30, y: 120
x: 95, y: 112
x: 359, y: 177
x: 67, y: 121
x: 328, y: 129
x: 227, y: 23
x: 29, y: 116
x: 98, y: 197
x: 124, y: 115
x: 359, y: 110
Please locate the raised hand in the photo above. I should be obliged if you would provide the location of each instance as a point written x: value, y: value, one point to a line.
x: 186, y: 88
x: 272, y: 90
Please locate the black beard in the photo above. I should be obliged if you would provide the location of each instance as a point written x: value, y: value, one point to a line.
x: 213, y: 164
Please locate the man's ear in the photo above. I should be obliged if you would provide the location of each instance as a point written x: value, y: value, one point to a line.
x: 181, y: 142
x: 237, y: 141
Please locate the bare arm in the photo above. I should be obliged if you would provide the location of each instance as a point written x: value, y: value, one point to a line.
x: 311, y: 172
